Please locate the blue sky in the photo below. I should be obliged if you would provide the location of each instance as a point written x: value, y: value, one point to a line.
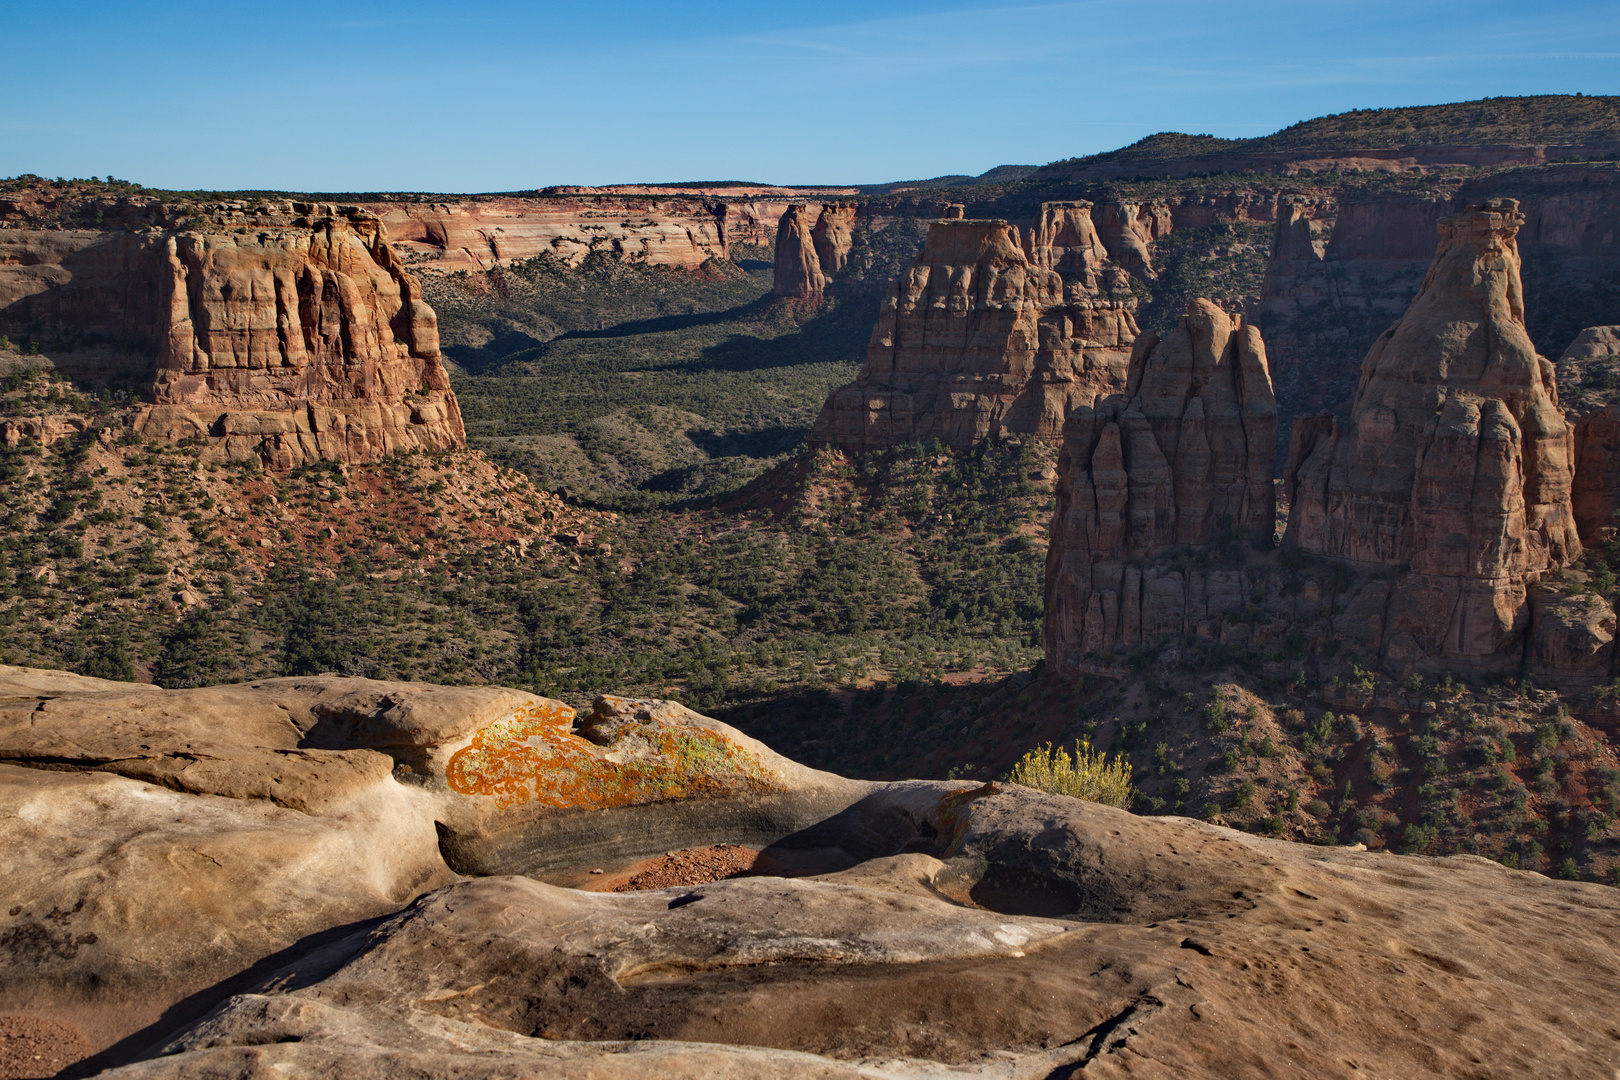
x: 491, y: 96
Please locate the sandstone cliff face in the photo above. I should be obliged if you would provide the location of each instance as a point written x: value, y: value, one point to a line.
x: 484, y: 233
x: 798, y: 269
x: 1590, y: 372
x: 984, y: 335
x: 290, y: 331
x: 1129, y: 229
x: 1455, y: 468
x: 1184, y: 457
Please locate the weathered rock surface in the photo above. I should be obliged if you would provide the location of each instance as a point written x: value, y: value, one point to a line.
x: 984, y: 335
x: 1184, y: 457
x: 798, y: 268
x: 1456, y: 465
x: 484, y: 233
x: 286, y: 330
x: 1098, y: 943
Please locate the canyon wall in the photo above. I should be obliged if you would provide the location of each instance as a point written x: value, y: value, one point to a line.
x: 287, y: 330
x: 1310, y: 162
x: 661, y: 226
x: 1327, y: 296
x: 488, y: 232
x: 987, y: 334
x: 1183, y: 457
x: 1589, y: 378
x: 1453, y: 473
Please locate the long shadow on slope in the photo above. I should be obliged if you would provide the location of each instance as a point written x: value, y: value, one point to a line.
x: 663, y: 324
x: 839, y: 335
x: 484, y: 361
x: 764, y: 443
x: 478, y: 359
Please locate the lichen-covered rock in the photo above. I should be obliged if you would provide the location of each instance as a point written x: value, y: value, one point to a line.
x: 984, y: 335
x: 160, y: 840
x: 1456, y: 464
x: 798, y: 273
x: 1184, y: 457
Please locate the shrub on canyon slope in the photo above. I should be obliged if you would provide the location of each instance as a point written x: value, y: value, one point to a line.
x: 1088, y: 774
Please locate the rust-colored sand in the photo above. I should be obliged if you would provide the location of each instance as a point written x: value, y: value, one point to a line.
x: 689, y: 866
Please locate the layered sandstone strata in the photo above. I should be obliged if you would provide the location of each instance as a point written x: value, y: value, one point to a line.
x: 286, y: 330
x: 1184, y: 457
x: 986, y: 334
x: 479, y: 234
x: 1455, y: 468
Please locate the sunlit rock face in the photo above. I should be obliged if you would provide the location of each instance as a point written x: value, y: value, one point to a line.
x: 286, y: 330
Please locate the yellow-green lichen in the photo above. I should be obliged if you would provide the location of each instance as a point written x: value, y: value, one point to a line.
x: 534, y: 756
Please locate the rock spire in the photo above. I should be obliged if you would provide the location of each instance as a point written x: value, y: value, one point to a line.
x: 1455, y: 467
x: 798, y: 268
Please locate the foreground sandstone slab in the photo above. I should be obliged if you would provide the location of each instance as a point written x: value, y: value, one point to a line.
x: 262, y: 879
x: 165, y: 840
x: 1180, y: 949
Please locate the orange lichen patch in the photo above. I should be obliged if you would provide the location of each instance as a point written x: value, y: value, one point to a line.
x: 955, y: 813
x: 534, y: 756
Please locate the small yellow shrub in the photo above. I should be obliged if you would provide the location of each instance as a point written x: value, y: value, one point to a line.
x: 1088, y: 774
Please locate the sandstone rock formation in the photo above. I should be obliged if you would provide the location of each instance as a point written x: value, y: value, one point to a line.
x: 798, y: 268
x: 290, y: 331
x: 834, y: 235
x: 1184, y: 456
x: 274, y: 850
x: 1455, y: 467
x: 1184, y: 958
x: 987, y: 335
x: 1590, y: 372
x: 483, y: 233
